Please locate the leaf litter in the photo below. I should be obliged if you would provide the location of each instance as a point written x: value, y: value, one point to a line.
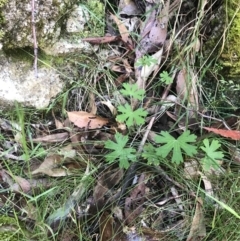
x: 146, y: 202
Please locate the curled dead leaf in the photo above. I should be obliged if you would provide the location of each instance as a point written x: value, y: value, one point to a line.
x: 86, y: 120
x: 186, y: 87
x: 110, y: 106
x: 198, y: 228
x: 58, y: 123
x: 56, y: 165
x: 53, y: 138
x: 16, y: 183
x: 102, y: 40
x: 123, y: 31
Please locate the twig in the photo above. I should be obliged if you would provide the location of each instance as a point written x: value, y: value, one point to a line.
x: 140, y: 148
x: 133, y: 167
x: 35, y: 44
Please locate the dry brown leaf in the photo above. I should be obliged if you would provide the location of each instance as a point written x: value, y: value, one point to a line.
x: 92, y: 103
x: 154, y: 32
x: 148, y: 234
x: 105, y: 184
x: 123, y: 31
x: 102, y: 40
x: 191, y: 169
x: 110, y: 227
x: 207, y: 184
x: 186, y: 88
x: 21, y: 185
x: 198, y: 228
x: 58, y: 124
x: 50, y: 163
x: 120, y: 79
x: 133, y: 204
x: 158, y: 32
x: 5, y: 177
x: 56, y: 165
x: 234, y: 135
x: 181, y: 87
x: 53, y: 138
x: 193, y: 97
x: 67, y: 235
x: 106, y: 223
x: 153, y: 35
x: 16, y: 183
x: 127, y: 66
x: 118, y: 69
x: 68, y: 151
x: 86, y: 120
x: 128, y: 7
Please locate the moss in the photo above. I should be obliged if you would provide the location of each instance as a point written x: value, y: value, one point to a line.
x: 227, y: 18
x: 225, y: 33
x: 96, y: 25
x: 230, y: 57
x: 9, y: 229
x: 2, y: 3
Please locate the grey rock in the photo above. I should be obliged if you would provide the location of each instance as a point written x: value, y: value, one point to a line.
x: 19, y: 83
x: 77, y: 19
x: 17, y: 77
x: 49, y: 17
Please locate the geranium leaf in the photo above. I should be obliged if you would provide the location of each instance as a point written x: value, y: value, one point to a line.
x: 177, y: 146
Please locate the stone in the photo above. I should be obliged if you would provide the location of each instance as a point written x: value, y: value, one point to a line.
x: 67, y: 46
x: 19, y: 83
x: 77, y: 20
x: 60, y: 26
x: 49, y: 17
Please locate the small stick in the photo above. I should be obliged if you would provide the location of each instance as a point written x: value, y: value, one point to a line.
x: 35, y: 45
x: 133, y: 167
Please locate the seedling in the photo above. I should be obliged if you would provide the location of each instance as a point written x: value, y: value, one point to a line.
x: 165, y: 78
x: 185, y: 144
x: 120, y: 153
x: 146, y: 60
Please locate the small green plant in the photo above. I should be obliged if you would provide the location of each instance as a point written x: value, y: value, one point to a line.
x: 165, y: 78
x: 119, y: 151
x: 184, y: 144
x: 131, y: 116
x: 149, y: 153
x: 146, y: 60
x: 177, y: 146
x: 132, y: 91
x: 212, y: 155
